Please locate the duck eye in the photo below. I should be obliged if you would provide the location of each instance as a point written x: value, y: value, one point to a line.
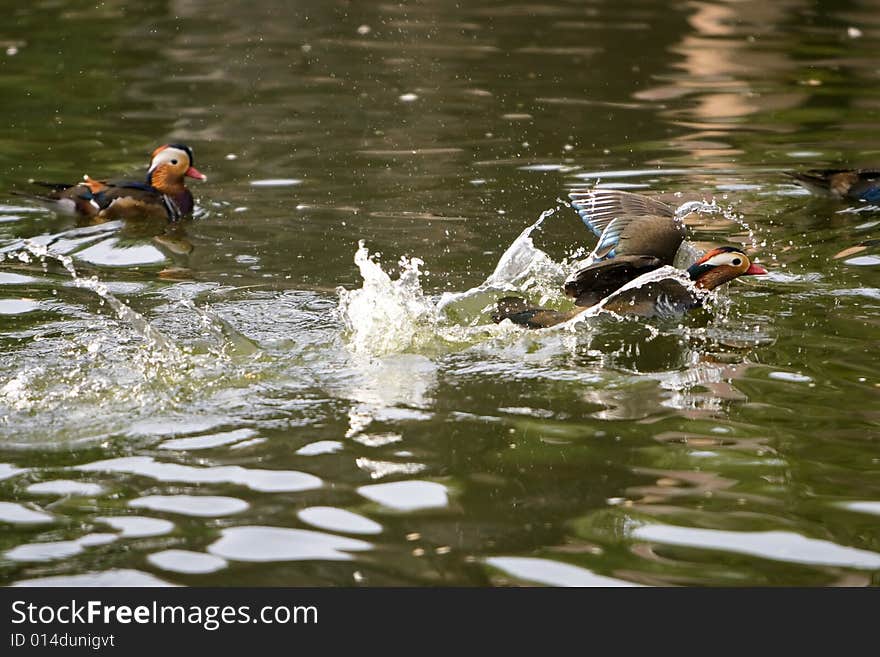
x: 173, y: 161
x: 736, y: 262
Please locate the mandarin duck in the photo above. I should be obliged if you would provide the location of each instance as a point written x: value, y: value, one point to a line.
x: 852, y: 184
x: 162, y: 195
x: 637, y: 235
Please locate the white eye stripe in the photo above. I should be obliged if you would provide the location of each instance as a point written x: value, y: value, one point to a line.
x: 733, y: 259
x: 166, y: 156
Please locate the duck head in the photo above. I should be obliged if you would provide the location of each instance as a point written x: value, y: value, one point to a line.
x: 721, y: 265
x: 169, y: 165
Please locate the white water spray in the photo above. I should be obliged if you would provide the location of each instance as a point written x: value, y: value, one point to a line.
x: 388, y: 316
x: 138, y: 322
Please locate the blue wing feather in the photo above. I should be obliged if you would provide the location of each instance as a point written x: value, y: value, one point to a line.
x: 595, y: 210
x: 872, y: 196
x: 607, y: 213
x: 609, y: 239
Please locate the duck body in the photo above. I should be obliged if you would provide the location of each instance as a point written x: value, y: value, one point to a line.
x: 851, y: 184
x: 162, y: 195
x: 637, y: 235
x: 117, y: 199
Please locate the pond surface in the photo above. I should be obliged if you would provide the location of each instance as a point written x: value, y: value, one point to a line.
x: 253, y: 398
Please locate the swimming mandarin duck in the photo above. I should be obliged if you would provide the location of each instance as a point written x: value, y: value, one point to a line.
x: 163, y: 194
x: 637, y: 235
x: 852, y: 184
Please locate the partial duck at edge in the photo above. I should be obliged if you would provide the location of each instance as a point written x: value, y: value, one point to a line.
x: 850, y: 184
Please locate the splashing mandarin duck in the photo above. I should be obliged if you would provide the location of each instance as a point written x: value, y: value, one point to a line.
x: 637, y: 235
x: 162, y: 195
x: 851, y: 184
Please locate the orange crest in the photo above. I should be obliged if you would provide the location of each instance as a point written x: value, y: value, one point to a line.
x: 158, y: 150
x: 712, y: 254
x: 94, y: 186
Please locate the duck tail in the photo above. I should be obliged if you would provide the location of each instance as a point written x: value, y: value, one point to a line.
x: 814, y: 180
x: 42, y: 198
x: 55, y: 187
x: 518, y: 311
x: 55, y: 200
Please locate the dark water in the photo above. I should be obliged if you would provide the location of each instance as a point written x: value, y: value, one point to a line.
x: 238, y: 427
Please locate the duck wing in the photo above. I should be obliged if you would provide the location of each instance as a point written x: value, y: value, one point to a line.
x: 630, y: 224
x: 655, y: 235
x: 121, y: 198
x: 588, y: 286
x: 664, y: 298
x: 112, y: 199
x: 101, y: 191
x: 598, y: 207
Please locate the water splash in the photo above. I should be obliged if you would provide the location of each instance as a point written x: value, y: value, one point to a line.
x: 83, y: 381
x: 697, y: 207
x: 522, y: 266
x: 385, y: 316
x: 729, y: 213
x: 153, y: 337
x: 66, y: 241
x: 388, y: 316
x: 231, y: 341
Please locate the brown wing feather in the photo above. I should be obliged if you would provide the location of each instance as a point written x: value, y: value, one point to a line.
x: 598, y: 207
x: 663, y: 298
x: 652, y: 235
x: 595, y: 282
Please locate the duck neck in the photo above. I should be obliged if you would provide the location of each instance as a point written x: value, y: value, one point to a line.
x: 160, y: 179
x: 713, y: 277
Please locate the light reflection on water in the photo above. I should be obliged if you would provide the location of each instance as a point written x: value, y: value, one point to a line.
x: 277, y: 440
x: 282, y: 544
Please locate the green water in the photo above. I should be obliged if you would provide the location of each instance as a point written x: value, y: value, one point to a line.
x: 283, y: 442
